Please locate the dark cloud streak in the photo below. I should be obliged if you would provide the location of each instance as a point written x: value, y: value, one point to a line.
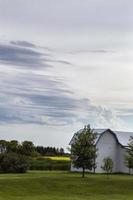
x: 23, y: 44
x: 24, y: 57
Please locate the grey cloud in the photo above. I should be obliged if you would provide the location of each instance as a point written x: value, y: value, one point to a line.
x: 63, y: 62
x: 26, y: 55
x: 37, y: 99
x: 22, y: 56
x: 26, y: 44
x: 93, y: 51
x: 23, y: 44
x: 45, y: 100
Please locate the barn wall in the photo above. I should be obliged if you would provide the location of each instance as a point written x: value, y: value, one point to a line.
x: 107, y: 147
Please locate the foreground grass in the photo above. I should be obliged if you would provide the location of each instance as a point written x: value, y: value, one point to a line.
x: 65, y: 186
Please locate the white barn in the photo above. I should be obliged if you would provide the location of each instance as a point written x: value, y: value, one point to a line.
x: 111, y: 144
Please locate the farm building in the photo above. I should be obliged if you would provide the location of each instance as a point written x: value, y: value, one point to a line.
x: 111, y: 144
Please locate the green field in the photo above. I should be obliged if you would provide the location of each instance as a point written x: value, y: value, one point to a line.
x: 37, y: 185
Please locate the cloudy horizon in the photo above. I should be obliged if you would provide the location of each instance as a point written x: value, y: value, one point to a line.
x: 64, y: 64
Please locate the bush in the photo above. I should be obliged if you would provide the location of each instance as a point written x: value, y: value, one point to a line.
x: 107, y: 165
x: 13, y: 163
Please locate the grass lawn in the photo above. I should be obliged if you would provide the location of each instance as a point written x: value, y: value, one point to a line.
x: 39, y: 185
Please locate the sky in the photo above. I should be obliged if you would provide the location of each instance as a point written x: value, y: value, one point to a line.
x: 64, y: 64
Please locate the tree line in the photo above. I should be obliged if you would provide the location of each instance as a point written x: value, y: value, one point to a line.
x: 16, y: 156
x: 28, y: 148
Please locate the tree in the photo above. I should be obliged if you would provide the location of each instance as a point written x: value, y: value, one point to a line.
x: 13, y: 146
x: 61, y: 151
x: 129, y: 162
x: 129, y: 157
x: 13, y: 163
x: 49, y: 151
x: 107, y: 165
x: 84, y: 150
x: 27, y: 148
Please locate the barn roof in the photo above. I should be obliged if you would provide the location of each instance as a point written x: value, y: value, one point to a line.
x: 121, y: 136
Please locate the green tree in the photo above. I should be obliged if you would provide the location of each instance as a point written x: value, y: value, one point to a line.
x: 27, y: 148
x: 129, y: 162
x: 13, y: 163
x: 129, y: 156
x: 13, y: 146
x: 83, y: 150
x: 107, y: 165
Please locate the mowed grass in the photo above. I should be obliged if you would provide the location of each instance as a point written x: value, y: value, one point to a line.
x: 38, y: 185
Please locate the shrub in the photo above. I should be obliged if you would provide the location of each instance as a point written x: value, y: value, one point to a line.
x: 107, y: 165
